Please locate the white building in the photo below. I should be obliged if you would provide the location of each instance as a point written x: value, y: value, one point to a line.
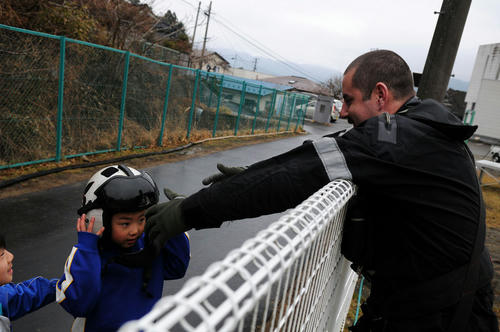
x: 483, y: 95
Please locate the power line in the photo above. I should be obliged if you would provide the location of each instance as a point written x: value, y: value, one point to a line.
x: 253, y: 42
x: 263, y: 49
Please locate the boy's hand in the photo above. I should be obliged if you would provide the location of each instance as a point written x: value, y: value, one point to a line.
x: 82, y: 227
x: 225, y: 172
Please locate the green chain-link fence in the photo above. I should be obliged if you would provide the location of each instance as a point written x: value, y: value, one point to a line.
x: 63, y: 98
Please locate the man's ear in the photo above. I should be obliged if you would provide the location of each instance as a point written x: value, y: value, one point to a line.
x: 382, y: 95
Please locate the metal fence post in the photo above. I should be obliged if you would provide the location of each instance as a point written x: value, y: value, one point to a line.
x: 291, y: 111
x: 211, y: 93
x: 281, y: 111
x: 273, y: 101
x: 165, y: 106
x: 124, y: 97
x: 242, y: 101
x: 193, y: 102
x: 304, y: 115
x: 256, y: 109
x: 60, y: 97
x: 301, y: 112
x: 218, y: 106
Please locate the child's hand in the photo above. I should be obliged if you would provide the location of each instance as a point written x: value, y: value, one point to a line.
x: 82, y: 227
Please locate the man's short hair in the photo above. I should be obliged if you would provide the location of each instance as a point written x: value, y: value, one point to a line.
x: 382, y: 66
x: 3, y: 245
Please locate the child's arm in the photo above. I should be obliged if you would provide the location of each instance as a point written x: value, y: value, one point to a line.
x: 78, y: 289
x: 20, y: 299
x: 176, y: 256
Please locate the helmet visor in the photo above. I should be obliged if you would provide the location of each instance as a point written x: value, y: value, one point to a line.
x: 128, y: 194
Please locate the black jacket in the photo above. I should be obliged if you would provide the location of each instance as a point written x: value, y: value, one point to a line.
x: 416, y: 179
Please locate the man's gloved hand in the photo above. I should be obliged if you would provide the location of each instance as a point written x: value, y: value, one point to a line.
x: 225, y: 172
x: 165, y: 220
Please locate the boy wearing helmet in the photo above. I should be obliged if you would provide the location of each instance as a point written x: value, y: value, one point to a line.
x: 96, y: 289
x: 17, y: 300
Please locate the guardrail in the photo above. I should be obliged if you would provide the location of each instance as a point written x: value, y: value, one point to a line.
x: 290, y: 277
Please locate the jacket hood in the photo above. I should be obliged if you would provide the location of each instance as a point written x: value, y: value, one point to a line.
x: 437, y: 116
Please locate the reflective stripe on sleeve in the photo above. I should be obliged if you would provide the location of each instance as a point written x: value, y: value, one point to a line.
x: 68, y: 277
x: 332, y: 158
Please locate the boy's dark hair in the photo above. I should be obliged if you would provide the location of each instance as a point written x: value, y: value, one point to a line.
x: 3, y: 245
x: 382, y: 66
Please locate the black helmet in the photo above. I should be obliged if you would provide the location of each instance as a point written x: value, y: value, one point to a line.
x: 118, y: 188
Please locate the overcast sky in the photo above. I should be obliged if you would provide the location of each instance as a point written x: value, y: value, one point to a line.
x: 333, y: 33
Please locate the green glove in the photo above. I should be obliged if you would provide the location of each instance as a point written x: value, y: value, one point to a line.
x: 165, y: 220
x: 225, y: 172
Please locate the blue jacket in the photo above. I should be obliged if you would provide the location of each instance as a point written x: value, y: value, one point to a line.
x: 17, y: 300
x: 102, y: 295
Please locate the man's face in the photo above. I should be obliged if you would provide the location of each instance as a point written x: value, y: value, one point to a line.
x: 354, y: 108
x: 6, y: 271
x: 127, y: 227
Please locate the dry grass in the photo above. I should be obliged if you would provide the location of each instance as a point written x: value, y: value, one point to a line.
x: 82, y: 174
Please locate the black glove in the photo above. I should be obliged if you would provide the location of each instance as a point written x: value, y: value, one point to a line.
x: 225, y: 172
x: 165, y: 221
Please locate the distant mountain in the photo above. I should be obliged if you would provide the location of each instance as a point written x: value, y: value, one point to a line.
x: 457, y: 84
x: 273, y: 67
x: 313, y: 72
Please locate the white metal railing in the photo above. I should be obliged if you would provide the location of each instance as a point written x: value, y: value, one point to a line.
x: 290, y: 277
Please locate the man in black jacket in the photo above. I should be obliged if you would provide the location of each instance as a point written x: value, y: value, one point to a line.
x: 418, y: 211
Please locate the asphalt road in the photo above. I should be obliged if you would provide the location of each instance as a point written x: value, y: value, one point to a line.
x: 40, y: 227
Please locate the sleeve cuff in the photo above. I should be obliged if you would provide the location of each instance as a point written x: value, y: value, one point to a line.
x: 87, y: 240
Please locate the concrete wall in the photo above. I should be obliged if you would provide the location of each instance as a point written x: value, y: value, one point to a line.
x: 488, y: 109
x: 323, y: 109
x: 486, y: 66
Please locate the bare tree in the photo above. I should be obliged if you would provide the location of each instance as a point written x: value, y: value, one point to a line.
x: 334, y: 85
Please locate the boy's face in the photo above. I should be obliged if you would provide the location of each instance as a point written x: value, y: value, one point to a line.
x: 127, y: 227
x: 6, y: 271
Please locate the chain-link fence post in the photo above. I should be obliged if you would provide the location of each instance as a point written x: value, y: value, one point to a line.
x: 257, y: 109
x: 124, y: 97
x: 292, y: 107
x: 60, y: 97
x: 271, y: 110
x: 218, y: 106
x: 299, y: 115
x: 193, y: 102
x: 242, y: 101
x: 165, y: 106
x: 281, y: 111
x: 304, y: 115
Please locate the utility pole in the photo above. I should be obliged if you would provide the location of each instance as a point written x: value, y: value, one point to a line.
x: 194, y: 32
x: 196, y: 22
x: 443, y: 49
x: 255, y: 64
x: 206, y: 31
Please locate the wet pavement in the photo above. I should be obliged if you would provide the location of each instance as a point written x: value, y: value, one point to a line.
x: 40, y: 227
